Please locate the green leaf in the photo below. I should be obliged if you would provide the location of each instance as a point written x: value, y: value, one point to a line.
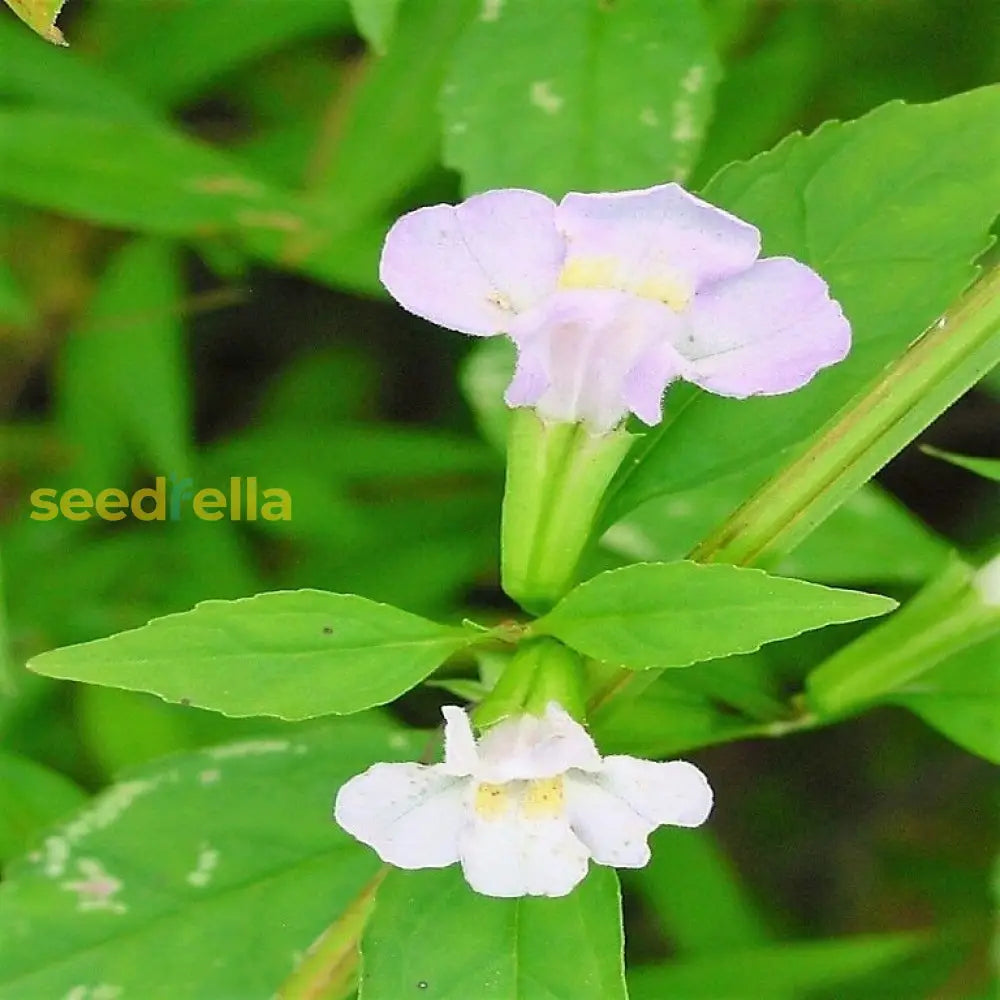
x: 898, y: 546
x: 695, y: 894
x: 197, y: 43
x: 148, y: 178
x: 37, y: 74
x: 391, y: 135
x: 146, y: 890
x: 845, y: 200
x: 959, y: 698
x: 133, y: 326
x: 675, y: 614
x: 15, y: 307
x: 291, y: 654
x: 484, y: 375
x: 988, y: 468
x: 794, y: 968
x: 432, y: 937
x: 375, y: 20
x: 587, y: 96
x: 40, y: 16
x: 33, y: 797
x: 122, y: 729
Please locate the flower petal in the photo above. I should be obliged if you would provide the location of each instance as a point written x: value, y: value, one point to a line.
x: 512, y: 856
x: 410, y: 814
x: 473, y: 266
x: 613, y: 832
x: 526, y: 747
x: 593, y: 355
x: 460, y: 756
x: 674, y: 792
x: 661, y: 243
x: 765, y: 332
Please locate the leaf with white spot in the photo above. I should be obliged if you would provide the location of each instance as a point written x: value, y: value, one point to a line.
x: 586, y: 96
x: 291, y: 654
x: 146, y: 889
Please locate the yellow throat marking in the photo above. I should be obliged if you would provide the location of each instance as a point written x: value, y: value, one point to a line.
x: 603, y: 272
x: 542, y: 798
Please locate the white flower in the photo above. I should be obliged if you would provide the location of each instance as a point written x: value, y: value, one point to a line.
x: 524, y: 809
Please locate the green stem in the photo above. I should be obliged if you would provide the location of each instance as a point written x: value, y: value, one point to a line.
x: 873, y: 427
x: 945, y: 617
x: 330, y: 969
x: 879, y: 422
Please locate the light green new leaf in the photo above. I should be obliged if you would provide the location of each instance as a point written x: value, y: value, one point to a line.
x: 143, y: 893
x: 107, y: 412
x: 892, y: 210
x: 675, y: 614
x: 988, y: 468
x: 583, y: 95
x: 960, y: 698
x: 375, y: 20
x: 40, y: 16
x: 793, y: 969
x: 431, y: 937
x: 291, y: 654
x: 32, y: 797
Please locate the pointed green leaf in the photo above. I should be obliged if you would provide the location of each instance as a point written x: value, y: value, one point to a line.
x: 674, y: 614
x: 291, y: 654
x: 431, y: 937
x: 375, y: 20
x: 961, y: 699
x: 988, y: 468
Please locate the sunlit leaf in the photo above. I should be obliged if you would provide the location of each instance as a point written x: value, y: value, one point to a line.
x: 290, y: 654
x: 674, y: 614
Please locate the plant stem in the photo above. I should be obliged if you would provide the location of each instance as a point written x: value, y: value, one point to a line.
x: 947, y: 360
x: 873, y: 427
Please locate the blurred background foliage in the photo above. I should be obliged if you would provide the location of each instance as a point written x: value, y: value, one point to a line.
x: 192, y: 201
